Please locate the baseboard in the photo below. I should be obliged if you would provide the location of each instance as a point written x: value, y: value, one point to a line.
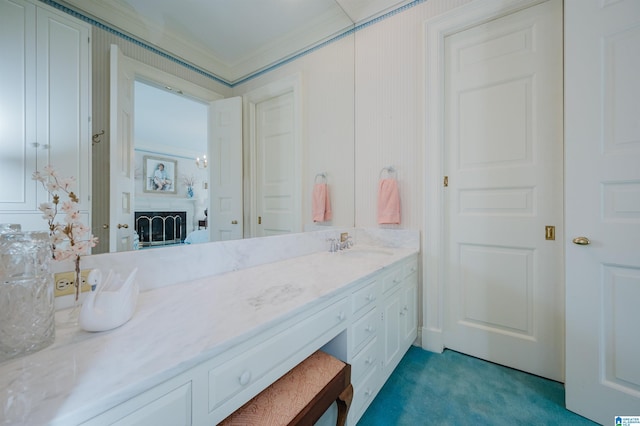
x: 432, y: 340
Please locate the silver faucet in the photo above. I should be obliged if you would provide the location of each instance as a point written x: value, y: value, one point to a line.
x: 334, y: 245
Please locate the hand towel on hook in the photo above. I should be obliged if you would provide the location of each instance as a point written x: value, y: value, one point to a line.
x: 321, y: 206
x: 388, y: 202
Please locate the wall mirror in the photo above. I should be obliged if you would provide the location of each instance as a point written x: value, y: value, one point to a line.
x: 323, y: 101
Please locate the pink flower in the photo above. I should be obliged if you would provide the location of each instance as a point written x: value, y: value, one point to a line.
x: 67, y: 183
x: 69, y: 239
x: 62, y: 254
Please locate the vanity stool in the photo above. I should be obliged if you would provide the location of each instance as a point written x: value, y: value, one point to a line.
x: 301, y: 396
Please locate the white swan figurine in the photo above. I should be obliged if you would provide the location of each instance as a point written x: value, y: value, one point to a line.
x: 111, y: 302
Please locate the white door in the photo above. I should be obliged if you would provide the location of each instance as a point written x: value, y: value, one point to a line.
x: 603, y: 204
x: 277, y: 201
x: 121, y: 168
x: 503, y: 158
x: 225, y: 140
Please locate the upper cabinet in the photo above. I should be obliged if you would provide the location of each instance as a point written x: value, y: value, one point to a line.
x: 44, y: 106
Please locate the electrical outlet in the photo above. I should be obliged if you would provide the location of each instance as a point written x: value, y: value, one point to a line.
x: 65, y: 282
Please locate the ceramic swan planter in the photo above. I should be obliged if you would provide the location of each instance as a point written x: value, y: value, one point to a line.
x: 111, y: 302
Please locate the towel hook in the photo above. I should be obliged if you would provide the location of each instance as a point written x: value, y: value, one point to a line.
x: 322, y: 176
x: 391, y: 172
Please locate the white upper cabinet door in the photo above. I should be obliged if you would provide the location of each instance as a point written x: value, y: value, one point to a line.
x: 44, y: 108
x: 17, y: 105
x: 63, y: 90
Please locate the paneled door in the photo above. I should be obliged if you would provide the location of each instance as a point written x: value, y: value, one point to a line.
x: 121, y: 167
x: 225, y: 146
x: 276, y: 186
x: 603, y: 208
x: 503, y: 198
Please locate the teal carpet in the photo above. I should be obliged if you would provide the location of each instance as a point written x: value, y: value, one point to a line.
x: 455, y: 389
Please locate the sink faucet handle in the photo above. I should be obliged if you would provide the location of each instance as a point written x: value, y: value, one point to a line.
x: 349, y: 241
x: 333, y: 245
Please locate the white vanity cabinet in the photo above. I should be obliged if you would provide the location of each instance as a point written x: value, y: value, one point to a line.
x: 209, y: 392
x: 45, y: 89
x: 367, y: 319
x: 382, y: 334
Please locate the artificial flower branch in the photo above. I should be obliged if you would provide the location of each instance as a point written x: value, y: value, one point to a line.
x: 71, y: 239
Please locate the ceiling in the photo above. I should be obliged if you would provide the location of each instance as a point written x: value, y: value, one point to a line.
x: 233, y: 39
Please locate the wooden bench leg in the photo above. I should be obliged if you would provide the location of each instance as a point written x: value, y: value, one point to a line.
x: 344, y: 403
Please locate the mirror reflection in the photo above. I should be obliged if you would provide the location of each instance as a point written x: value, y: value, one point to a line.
x: 170, y: 144
x: 266, y: 189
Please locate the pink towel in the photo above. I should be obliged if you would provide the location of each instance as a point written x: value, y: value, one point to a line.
x: 321, y: 206
x: 388, y: 201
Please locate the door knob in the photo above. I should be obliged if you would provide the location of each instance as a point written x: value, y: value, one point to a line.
x: 105, y: 226
x: 125, y: 226
x: 581, y: 241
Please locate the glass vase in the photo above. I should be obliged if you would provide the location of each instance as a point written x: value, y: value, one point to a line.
x: 27, y: 309
x: 72, y: 317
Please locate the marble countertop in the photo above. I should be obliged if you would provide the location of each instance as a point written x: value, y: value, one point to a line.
x: 174, y: 328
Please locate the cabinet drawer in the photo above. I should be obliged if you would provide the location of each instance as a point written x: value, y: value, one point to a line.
x: 364, y: 361
x: 411, y: 267
x: 364, y: 393
x: 365, y: 297
x: 365, y: 329
x: 392, y: 280
x: 238, y: 374
x: 173, y: 408
x: 163, y: 406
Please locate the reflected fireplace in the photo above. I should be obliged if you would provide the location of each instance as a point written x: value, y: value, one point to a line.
x: 161, y: 228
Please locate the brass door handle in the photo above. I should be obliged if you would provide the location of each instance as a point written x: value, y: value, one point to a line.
x: 234, y: 222
x: 125, y: 226
x: 581, y: 241
x: 105, y: 226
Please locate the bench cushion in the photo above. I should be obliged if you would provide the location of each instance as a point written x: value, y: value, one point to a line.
x: 284, y: 401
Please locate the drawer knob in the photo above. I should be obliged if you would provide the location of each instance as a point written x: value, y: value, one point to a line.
x: 371, y: 298
x: 245, y: 378
x: 368, y: 392
x: 369, y: 361
x: 370, y: 328
x: 341, y: 316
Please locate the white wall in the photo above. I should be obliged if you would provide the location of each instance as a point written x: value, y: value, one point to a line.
x: 388, y: 112
x: 328, y: 120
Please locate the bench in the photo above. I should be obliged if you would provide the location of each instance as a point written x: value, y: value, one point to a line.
x: 301, y: 396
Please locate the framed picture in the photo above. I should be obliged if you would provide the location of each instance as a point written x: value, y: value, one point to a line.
x: 159, y: 175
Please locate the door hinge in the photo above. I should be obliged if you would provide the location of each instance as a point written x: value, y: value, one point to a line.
x: 259, y: 220
x: 445, y: 181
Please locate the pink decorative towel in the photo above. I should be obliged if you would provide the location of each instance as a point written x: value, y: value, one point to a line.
x: 388, y: 201
x: 321, y: 206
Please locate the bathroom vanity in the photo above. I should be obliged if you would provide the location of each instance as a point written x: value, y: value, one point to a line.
x: 197, y: 350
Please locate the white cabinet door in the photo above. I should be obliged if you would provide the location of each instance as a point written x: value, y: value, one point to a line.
x: 17, y: 105
x: 63, y: 87
x: 44, y: 108
x: 391, y: 328
x: 409, y: 314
